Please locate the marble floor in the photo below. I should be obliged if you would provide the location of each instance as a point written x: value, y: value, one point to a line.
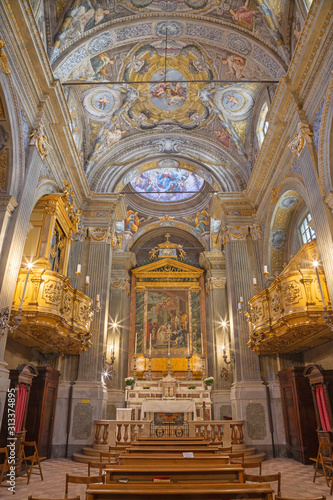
x: 296, y: 480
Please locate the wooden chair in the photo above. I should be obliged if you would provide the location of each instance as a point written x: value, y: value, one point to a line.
x: 107, y: 457
x: 34, y: 458
x: 97, y: 465
x: 324, y: 458
x: 236, y: 455
x: 330, y: 467
x: 82, y: 480
x: 266, y: 478
x: 250, y: 465
x: 4, y: 467
x: 323, y: 497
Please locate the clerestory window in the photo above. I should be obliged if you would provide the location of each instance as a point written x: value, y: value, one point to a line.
x: 307, y: 233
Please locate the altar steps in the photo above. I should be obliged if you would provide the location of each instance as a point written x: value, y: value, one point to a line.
x: 90, y: 454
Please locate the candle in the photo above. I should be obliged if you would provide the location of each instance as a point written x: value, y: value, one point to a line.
x: 239, y: 306
x: 87, y: 280
x: 24, y: 290
x: 265, y: 269
x: 136, y: 342
x: 241, y: 300
x: 169, y: 346
x: 202, y: 347
x: 78, y: 269
x: 97, y: 297
x: 188, y: 343
x: 320, y: 288
x: 254, y: 281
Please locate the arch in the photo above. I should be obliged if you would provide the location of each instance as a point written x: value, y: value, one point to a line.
x: 325, y: 143
x: 279, y: 239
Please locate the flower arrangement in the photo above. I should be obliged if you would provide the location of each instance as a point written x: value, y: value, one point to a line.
x: 146, y: 387
x: 209, y: 381
x: 129, y: 381
x: 191, y: 387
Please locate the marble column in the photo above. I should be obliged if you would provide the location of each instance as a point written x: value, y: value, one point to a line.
x: 217, y: 335
x: 248, y: 392
x: 117, y: 342
x: 14, y: 220
x: 89, y: 397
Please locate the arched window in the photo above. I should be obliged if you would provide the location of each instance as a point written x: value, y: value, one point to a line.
x: 307, y: 232
x: 262, y: 123
x: 308, y: 4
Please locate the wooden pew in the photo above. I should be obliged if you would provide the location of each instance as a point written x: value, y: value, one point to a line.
x: 179, y: 473
x: 171, y: 459
x: 189, y: 491
x: 173, y: 449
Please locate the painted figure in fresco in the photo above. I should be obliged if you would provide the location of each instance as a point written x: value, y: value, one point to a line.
x: 223, y: 137
x: 132, y: 222
x: 202, y: 221
x: 233, y: 100
x: 114, y: 136
x: 149, y: 330
x: 98, y: 16
x: 235, y: 64
x: 102, y: 102
x: 101, y: 65
x: 243, y: 16
x: 169, y: 4
x: 79, y: 23
x: 184, y: 319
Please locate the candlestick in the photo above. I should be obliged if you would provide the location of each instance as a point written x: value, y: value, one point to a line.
x: 78, y: 269
x: 136, y: 342
x: 24, y: 289
x: 320, y: 287
x: 150, y: 344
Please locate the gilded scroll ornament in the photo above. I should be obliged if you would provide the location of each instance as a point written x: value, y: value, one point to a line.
x: 39, y: 139
x: 298, y: 143
x: 4, y: 67
x: 122, y: 284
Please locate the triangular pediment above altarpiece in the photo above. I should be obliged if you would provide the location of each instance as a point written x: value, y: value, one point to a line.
x: 172, y: 266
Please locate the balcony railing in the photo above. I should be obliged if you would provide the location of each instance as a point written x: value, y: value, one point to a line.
x: 55, y: 316
x: 288, y: 315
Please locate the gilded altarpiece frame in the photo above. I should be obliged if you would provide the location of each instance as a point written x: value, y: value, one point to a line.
x: 167, y: 312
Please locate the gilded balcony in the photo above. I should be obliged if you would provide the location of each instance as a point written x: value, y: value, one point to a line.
x: 288, y: 315
x: 55, y: 316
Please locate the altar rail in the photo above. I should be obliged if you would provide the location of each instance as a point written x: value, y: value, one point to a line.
x: 110, y: 432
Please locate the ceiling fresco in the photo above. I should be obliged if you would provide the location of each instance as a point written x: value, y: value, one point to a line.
x: 162, y: 96
x: 167, y: 183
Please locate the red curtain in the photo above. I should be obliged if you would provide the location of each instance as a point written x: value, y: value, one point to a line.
x: 322, y: 408
x: 20, y: 406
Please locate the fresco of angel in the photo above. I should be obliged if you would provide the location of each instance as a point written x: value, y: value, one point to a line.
x: 235, y: 64
x: 243, y: 16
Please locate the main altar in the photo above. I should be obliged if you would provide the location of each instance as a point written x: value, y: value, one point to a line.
x: 167, y: 343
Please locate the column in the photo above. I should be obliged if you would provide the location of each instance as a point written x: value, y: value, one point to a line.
x: 89, y: 397
x: 14, y: 226
x: 248, y: 393
x: 118, y: 335
x: 217, y: 335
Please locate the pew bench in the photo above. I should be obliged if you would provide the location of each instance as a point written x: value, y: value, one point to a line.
x: 177, y: 473
x: 189, y: 491
x: 172, y: 449
x: 171, y: 459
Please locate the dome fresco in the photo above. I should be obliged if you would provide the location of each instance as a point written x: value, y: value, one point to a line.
x: 167, y: 183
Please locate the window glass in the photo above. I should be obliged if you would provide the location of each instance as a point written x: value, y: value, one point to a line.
x: 307, y: 232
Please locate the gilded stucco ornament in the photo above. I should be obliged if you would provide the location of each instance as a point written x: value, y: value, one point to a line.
x: 4, y: 68
x: 303, y: 133
x: 39, y: 139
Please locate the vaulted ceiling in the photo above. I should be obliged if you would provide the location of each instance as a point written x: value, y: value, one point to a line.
x: 160, y: 86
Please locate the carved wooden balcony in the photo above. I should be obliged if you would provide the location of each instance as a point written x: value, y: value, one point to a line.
x: 55, y: 316
x: 288, y: 315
